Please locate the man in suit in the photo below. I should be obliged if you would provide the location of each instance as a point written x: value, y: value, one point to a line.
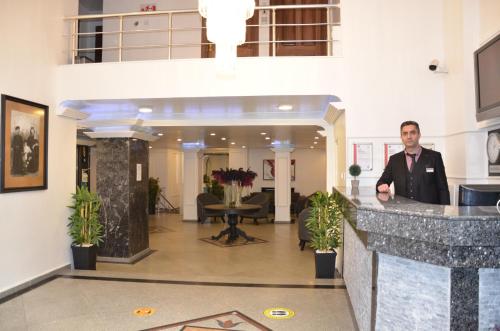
x: 418, y: 173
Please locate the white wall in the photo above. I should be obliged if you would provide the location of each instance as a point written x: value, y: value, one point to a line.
x: 34, y: 233
x: 467, y: 25
x: 166, y: 165
x: 387, y: 45
x: 310, y: 169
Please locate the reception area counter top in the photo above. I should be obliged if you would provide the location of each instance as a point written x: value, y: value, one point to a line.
x: 429, y: 266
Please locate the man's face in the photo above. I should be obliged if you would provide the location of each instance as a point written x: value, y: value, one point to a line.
x: 410, y: 136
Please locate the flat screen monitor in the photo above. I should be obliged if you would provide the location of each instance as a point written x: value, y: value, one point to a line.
x: 487, y: 76
x: 478, y: 195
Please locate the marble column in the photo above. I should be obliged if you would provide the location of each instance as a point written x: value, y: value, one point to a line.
x: 122, y: 182
x: 191, y: 183
x: 282, y: 184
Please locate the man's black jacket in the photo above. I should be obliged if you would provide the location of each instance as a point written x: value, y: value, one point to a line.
x: 430, y: 184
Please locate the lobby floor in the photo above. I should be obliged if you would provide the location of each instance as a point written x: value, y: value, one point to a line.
x: 186, y: 278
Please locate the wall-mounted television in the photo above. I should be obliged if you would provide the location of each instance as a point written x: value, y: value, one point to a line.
x: 487, y: 75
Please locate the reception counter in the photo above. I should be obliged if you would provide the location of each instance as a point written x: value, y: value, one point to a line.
x: 415, y: 266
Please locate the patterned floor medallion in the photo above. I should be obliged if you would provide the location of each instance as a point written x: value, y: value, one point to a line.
x: 232, y: 320
x: 222, y: 242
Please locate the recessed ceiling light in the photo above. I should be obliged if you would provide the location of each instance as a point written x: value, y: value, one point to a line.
x: 179, y: 139
x: 160, y: 134
x: 212, y: 134
x: 316, y: 138
x: 223, y: 138
x: 312, y: 147
x: 243, y: 146
x: 285, y: 107
x: 150, y: 147
x: 145, y: 109
x: 315, y: 143
x: 267, y: 138
x: 263, y: 133
x: 233, y: 143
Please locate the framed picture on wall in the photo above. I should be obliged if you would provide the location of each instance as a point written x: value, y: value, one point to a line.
x: 268, y: 170
x: 24, y: 145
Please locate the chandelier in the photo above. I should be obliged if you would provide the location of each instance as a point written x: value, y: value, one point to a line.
x: 226, y: 28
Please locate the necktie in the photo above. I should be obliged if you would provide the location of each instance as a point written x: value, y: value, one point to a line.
x: 412, y: 165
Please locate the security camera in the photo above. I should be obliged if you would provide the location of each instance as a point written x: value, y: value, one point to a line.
x: 435, y: 67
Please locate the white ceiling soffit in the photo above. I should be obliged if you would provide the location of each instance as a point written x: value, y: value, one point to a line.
x: 121, y: 134
x: 244, y: 107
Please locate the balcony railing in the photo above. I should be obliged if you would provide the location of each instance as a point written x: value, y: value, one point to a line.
x: 310, y: 30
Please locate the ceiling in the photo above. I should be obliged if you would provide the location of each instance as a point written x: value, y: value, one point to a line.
x: 240, y: 119
x: 248, y: 136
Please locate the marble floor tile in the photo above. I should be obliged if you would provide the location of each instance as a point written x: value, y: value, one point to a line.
x: 67, y: 303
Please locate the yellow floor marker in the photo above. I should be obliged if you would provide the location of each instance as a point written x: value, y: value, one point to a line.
x: 144, y: 311
x: 279, y: 313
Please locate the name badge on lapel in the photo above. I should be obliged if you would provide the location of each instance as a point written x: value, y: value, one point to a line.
x: 429, y: 169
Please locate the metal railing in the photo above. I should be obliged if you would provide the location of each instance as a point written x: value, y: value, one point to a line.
x: 113, y: 25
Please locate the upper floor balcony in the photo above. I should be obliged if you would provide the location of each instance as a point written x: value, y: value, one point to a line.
x: 155, y: 56
x: 274, y: 30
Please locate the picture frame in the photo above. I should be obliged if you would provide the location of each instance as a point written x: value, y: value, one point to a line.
x: 268, y: 169
x: 24, y: 145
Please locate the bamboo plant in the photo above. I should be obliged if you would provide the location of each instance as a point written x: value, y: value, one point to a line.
x: 325, y: 221
x: 84, y: 226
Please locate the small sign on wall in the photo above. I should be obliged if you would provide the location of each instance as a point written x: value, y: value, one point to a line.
x: 148, y: 7
x: 363, y: 156
x: 139, y: 172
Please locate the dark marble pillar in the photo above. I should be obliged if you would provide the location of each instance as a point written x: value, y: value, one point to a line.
x: 464, y: 309
x: 125, y: 200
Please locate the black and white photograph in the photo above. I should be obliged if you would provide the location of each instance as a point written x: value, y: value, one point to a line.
x: 24, y: 145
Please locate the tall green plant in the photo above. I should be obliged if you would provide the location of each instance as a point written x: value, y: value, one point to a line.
x: 325, y: 221
x: 84, y: 225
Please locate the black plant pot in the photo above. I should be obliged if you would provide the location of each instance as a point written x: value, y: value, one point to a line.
x: 325, y: 264
x: 84, y: 258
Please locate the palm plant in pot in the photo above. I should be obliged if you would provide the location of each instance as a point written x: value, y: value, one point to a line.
x: 325, y: 227
x: 84, y: 228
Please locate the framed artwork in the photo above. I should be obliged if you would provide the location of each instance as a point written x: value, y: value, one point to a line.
x: 268, y: 170
x: 363, y: 155
x: 24, y: 145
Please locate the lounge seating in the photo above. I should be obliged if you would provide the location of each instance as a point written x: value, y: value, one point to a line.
x: 258, y: 199
x: 304, y: 235
x: 204, y: 199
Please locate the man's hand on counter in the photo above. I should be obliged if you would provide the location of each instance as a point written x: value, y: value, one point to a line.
x: 383, y: 196
x: 383, y: 188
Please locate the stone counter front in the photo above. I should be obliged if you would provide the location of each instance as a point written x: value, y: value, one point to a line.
x: 434, y: 267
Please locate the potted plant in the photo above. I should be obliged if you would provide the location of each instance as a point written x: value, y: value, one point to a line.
x: 354, y: 171
x: 325, y: 227
x: 154, y: 194
x: 84, y: 228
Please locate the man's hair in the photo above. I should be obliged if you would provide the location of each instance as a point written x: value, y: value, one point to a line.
x: 405, y: 123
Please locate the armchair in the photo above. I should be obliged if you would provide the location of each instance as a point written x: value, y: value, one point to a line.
x: 304, y: 235
x: 261, y: 199
x: 204, y: 199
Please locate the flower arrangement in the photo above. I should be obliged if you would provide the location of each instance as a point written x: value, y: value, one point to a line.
x: 243, y: 177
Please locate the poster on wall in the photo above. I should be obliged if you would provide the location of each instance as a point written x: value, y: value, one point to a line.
x: 268, y: 170
x: 390, y: 149
x: 363, y: 156
x: 493, y: 151
x: 24, y: 137
x: 429, y: 146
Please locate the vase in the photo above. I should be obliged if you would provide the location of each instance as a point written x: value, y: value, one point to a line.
x: 232, y: 194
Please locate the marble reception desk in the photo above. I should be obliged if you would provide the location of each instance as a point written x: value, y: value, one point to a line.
x: 415, y: 266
